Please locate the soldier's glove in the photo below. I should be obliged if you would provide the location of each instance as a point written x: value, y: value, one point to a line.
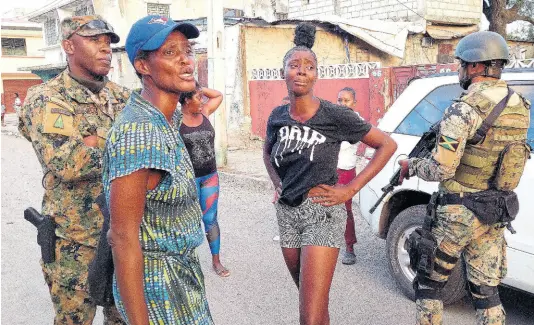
x: 404, y: 170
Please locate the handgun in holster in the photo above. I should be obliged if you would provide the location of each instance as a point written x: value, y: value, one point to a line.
x: 46, y: 233
x: 422, y: 244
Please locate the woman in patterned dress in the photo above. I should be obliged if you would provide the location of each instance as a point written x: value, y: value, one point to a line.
x: 150, y: 185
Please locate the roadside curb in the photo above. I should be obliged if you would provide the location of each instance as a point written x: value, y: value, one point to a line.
x: 244, y: 180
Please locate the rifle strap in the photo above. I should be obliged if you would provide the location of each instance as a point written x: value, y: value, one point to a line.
x: 490, y: 119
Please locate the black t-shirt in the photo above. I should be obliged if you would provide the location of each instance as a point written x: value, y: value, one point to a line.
x: 200, y: 144
x: 305, y: 154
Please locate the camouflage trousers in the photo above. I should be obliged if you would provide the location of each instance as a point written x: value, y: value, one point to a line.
x: 458, y: 230
x: 67, y: 282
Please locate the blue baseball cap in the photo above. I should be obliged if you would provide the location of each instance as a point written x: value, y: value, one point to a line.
x: 149, y: 33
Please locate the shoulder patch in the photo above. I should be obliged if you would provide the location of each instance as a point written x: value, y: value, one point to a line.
x: 448, y: 143
x: 58, y: 120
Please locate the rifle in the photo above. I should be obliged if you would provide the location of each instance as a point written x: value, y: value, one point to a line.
x: 46, y: 234
x: 422, y: 149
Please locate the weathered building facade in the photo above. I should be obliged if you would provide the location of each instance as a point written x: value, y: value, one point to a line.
x: 22, y: 42
x: 452, y: 12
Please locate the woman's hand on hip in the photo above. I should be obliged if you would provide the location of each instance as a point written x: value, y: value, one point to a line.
x: 328, y: 196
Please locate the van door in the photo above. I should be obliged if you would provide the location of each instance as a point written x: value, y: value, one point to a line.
x: 523, y: 240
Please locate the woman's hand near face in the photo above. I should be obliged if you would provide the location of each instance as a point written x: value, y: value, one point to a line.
x: 215, y: 99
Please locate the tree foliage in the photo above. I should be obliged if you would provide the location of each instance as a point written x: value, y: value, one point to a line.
x: 503, y: 12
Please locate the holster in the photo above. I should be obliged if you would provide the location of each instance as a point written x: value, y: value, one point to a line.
x: 46, y: 233
x: 422, y: 244
x: 422, y: 248
x: 490, y: 207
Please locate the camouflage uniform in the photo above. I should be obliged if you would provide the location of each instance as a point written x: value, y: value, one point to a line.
x: 56, y: 116
x: 456, y: 229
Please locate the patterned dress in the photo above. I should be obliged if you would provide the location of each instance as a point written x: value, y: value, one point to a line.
x: 141, y: 138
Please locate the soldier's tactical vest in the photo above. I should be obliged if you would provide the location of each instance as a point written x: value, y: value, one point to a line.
x: 497, y: 162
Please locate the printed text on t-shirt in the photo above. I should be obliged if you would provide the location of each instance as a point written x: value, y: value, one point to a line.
x: 303, y: 136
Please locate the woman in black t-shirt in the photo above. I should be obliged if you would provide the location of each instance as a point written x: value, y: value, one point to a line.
x: 199, y: 138
x: 300, y: 153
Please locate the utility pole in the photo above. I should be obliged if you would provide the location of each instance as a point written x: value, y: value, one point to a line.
x: 217, y: 75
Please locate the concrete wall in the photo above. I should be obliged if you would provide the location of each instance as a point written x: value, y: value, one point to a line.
x: 19, y: 86
x: 189, y: 9
x: 265, y: 95
x: 265, y: 47
x: 460, y: 12
x: 463, y: 12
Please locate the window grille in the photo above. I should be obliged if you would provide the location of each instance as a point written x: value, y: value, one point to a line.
x: 14, y: 47
x: 51, y: 32
x: 157, y: 9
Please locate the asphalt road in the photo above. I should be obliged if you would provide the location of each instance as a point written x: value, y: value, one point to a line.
x: 259, y: 290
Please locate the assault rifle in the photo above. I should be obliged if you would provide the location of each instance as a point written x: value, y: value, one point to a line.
x: 422, y: 149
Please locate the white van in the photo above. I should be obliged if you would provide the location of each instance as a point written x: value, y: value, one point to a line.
x: 417, y: 108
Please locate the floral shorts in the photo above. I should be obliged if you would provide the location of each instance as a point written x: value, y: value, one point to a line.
x: 311, y: 224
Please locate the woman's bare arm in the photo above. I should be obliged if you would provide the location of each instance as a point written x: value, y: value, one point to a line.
x: 215, y: 99
x: 127, y: 206
x: 270, y: 169
x: 385, y: 148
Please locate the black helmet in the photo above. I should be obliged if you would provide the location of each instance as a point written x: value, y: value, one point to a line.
x: 482, y: 46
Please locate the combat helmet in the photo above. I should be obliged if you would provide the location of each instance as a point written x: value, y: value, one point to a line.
x: 487, y: 47
x: 482, y: 46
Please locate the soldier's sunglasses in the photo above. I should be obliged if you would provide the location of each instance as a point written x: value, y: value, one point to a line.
x: 97, y: 24
x: 94, y: 24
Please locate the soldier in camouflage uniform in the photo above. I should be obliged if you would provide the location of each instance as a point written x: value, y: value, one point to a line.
x: 66, y: 119
x: 463, y: 168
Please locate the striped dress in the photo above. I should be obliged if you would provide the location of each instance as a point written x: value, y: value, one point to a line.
x: 141, y: 138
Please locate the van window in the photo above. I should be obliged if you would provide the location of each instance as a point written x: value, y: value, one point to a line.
x: 429, y: 110
x: 527, y: 90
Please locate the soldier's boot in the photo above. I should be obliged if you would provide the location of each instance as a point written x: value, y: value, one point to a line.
x: 491, y: 316
x: 489, y: 310
x: 429, y: 312
x: 429, y: 305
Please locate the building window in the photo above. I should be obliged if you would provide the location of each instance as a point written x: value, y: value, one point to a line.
x: 50, y: 30
x: 233, y: 13
x: 85, y: 11
x: 281, y: 16
x: 13, y: 46
x: 157, y: 9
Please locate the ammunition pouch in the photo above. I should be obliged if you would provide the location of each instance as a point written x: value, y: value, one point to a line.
x: 489, y: 206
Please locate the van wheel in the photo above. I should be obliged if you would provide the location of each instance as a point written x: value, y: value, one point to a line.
x: 399, y: 260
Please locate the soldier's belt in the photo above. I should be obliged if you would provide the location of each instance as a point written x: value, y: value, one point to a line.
x: 489, y: 206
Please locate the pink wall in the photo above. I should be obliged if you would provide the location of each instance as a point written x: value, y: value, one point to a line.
x: 265, y: 95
